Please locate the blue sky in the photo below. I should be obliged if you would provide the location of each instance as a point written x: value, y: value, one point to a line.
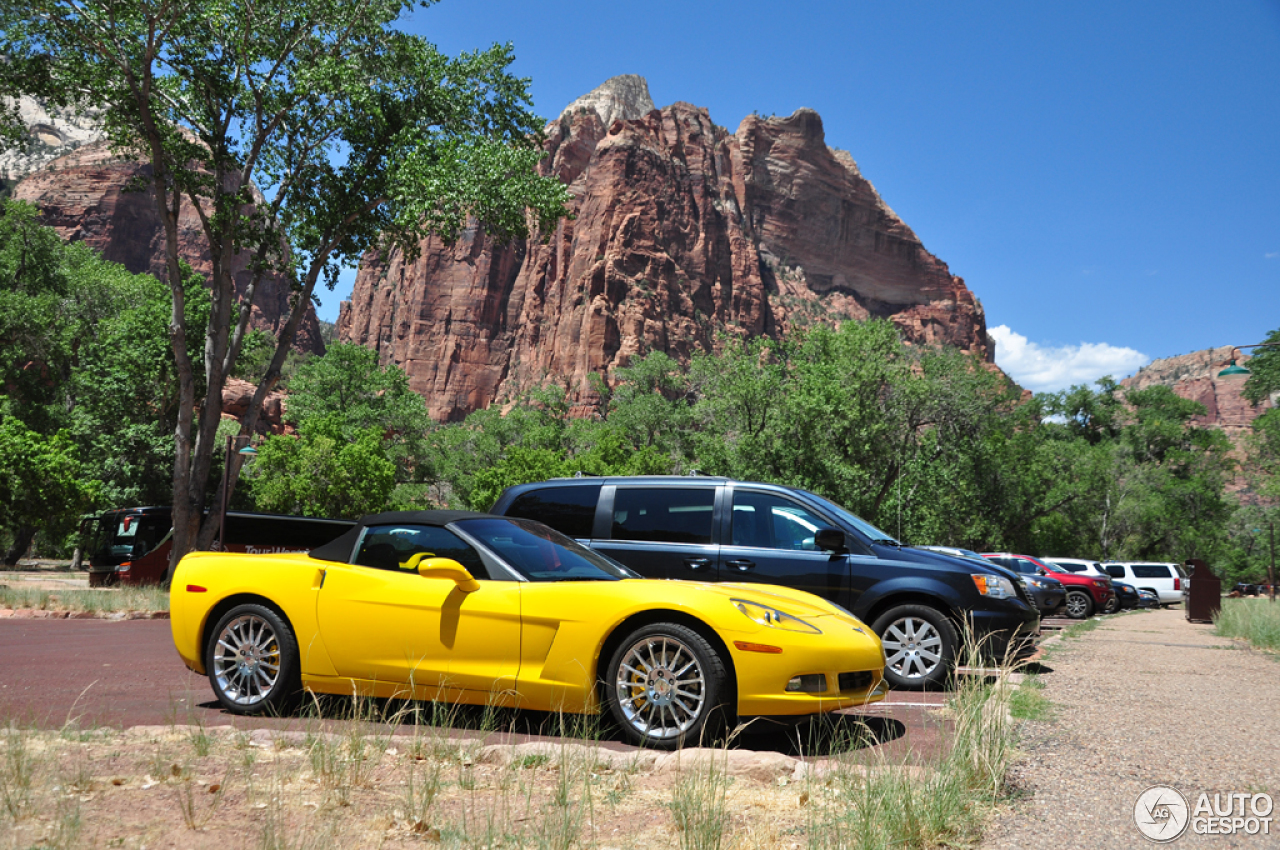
x: 1105, y: 176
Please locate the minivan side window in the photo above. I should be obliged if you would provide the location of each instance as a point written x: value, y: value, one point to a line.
x: 1115, y: 572
x: 771, y: 522
x: 569, y: 510
x: 663, y: 514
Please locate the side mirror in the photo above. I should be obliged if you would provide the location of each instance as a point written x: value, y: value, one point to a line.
x: 829, y: 539
x: 445, y: 568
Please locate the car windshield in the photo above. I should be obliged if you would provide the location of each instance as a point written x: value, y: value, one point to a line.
x: 540, y: 553
x: 864, y: 527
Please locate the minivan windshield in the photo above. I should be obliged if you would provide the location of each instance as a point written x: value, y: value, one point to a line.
x: 540, y: 553
x: 862, y: 526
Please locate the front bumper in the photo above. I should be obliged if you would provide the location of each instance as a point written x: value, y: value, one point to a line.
x: 1007, y: 635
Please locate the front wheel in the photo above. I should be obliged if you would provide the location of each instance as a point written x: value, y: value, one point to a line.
x: 1113, y: 605
x: 1079, y: 605
x: 252, y: 661
x: 664, y: 684
x: 920, y: 646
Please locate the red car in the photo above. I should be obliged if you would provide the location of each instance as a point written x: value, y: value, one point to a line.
x: 1085, y: 593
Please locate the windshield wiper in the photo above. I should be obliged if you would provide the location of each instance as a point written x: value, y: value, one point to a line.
x: 888, y: 541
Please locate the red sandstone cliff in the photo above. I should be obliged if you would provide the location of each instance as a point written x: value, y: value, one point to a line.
x: 1195, y: 376
x: 681, y: 231
x: 82, y: 196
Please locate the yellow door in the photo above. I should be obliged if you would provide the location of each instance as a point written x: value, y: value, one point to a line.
x: 397, y: 628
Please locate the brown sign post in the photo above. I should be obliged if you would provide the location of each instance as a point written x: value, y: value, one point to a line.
x: 1203, y: 599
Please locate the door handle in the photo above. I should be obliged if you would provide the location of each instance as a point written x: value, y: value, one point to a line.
x: 697, y: 563
x: 742, y: 564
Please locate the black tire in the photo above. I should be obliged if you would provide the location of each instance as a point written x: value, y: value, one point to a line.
x: 252, y: 661
x: 1113, y: 605
x: 1079, y: 605
x: 653, y: 707
x: 920, y: 646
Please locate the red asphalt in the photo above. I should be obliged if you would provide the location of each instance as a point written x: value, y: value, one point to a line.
x: 105, y: 673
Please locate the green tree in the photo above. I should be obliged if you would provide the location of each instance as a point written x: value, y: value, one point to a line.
x: 343, y: 397
x: 357, y: 134
x: 40, y: 484
x: 1264, y: 370
x: 324, y: 473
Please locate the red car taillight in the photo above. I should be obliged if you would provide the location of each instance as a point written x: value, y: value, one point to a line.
x: 1177, y: 584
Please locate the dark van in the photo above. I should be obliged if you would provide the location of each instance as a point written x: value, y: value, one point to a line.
x: 132, y: 545
x: 718, y: 529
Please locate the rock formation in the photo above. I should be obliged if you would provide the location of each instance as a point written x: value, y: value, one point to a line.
x: 54, y: 132
x: 681, y: 231
x: 83, y: 196
x: 1195, y: 376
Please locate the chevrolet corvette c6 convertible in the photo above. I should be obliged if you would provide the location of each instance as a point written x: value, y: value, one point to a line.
x: 472, y: 608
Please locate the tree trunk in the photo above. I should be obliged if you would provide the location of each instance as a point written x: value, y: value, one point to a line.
x: 21, y: 543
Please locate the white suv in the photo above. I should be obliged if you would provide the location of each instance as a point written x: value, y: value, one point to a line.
x: 1078, y: 565
x: 1163, y: 578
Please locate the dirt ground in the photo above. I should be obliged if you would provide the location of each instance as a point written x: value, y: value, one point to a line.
x: 195, y: 787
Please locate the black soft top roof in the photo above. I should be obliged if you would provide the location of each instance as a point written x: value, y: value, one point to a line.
x: 340, y: 549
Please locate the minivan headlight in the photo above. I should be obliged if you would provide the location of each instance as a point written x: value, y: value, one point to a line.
x: 772, y: 617
x: 994, y: 587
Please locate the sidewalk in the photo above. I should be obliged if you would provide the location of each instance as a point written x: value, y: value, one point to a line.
x: 1145, y: 699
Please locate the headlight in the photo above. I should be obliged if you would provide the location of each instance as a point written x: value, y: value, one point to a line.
x: 772, y: 617
x: 994, y: 587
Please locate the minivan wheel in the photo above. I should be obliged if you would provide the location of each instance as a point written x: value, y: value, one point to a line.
x: 920, y: 646
x: 1079, y: 605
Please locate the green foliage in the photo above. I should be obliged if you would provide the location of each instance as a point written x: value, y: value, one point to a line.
x: 40, y: 481
x: 347, y: 409
x: 324, y: 473
x: 1264, y: 370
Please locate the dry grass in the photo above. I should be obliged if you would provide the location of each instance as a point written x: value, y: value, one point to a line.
x: 422, y: 779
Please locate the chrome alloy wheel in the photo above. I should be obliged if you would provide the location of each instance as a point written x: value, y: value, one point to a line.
x: 246, y: 660
x: 912, y: 647
x: 661, y: 687
x: 1077, y: 605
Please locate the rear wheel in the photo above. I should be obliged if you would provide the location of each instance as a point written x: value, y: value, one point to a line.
x: 665, y: 685
x: 252, y: 661
x: 1079, y: 605
x: 920, y: 645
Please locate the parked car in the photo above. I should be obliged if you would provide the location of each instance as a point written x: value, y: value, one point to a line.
x: 473, y: 608
x: 1165, y: 579
x: 1148, y: 599
x: 1085, y: 594
x: 1126, y: 595
x: 1045, y: 592
x: 718, y: 529
x: 1083, y: 566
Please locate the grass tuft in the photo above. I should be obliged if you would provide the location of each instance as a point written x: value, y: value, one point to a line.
x: 1255, y: 620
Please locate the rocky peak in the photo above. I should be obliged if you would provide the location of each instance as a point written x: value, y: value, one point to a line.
x: 53, y: 132
x: 681, y: 233
x: 624, y: 97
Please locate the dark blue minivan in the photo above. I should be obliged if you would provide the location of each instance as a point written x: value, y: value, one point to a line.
x: 717, y: 529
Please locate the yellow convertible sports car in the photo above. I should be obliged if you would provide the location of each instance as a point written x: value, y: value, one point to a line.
x: 473, y: 608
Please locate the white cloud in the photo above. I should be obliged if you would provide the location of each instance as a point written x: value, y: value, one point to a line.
x: 1043, y: 369
x: 1271, y: 255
